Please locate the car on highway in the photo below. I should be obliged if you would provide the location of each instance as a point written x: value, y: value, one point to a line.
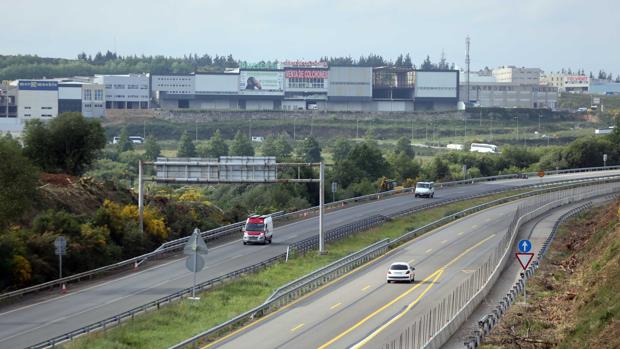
x: 425, y: 189
x: 258, y: 229
x: 400, y: 271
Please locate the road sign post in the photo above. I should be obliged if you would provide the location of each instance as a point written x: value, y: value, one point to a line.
x: 524, y: 256
x: 61, y: 249
x: 195, y: 247
x: 604, y: 160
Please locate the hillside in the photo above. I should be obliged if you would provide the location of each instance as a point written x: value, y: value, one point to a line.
x: 573, y: 301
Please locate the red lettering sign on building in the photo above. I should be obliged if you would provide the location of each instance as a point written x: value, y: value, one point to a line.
x: 306, y: 74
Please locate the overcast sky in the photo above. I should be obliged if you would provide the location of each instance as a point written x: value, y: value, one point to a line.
x: 550, y: 34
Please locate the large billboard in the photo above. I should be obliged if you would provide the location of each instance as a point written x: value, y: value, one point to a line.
x: 436, y: 84
x: 38, y: 85
x: 261, y: 82
x: 216, y: 83
x: 346, y: 83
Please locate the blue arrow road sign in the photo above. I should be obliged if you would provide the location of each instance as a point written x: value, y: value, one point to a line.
x: 525, y: 246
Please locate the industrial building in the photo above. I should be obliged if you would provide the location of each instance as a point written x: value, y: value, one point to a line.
x: 82, y: 97
x: 129, y: 91
x: 515, y: 75
x: 510, y: 95
x: 567, y: 82
x: 301, y: 85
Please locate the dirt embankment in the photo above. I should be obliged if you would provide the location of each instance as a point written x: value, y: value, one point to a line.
x: 574, y: 299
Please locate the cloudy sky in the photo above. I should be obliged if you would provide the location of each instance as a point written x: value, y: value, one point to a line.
x: 550, y: 34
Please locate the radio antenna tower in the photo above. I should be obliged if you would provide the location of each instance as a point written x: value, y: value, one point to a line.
x: 467, y: 62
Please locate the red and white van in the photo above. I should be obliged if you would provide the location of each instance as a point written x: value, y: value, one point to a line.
x: 258, y: 229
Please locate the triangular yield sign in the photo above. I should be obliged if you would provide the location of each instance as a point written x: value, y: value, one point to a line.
x: 524, y: 259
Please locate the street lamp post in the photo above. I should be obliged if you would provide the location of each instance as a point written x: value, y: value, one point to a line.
x: 517, y: 118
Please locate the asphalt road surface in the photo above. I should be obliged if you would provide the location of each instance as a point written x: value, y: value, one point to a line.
x: 364, y: 308
x: 29, y: 323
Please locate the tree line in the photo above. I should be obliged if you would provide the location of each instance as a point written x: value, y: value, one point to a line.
x: 35, y: 67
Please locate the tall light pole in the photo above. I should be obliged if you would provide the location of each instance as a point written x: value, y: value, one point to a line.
x: 250, y: 129
x: 539, y: 117
x: 196, y: 130
x: 517, y: 118
x: 357, y: 128
x: 294, y: 132
x: 490, y: 126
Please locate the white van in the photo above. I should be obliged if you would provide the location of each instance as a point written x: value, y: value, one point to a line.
x: 258, y: 229
x: 425, y: 189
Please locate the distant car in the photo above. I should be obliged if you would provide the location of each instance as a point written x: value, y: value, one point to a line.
x: 582, y: 110
x: 424, y: 189
x: 400, y: 271
x: 313, y: 107
x: 257, y: 139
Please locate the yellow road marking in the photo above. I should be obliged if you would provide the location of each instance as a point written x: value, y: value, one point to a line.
x: 468, y: 271
x: 365, y: 287
x: 432, y: 276
x: 468, y: 250
x: 374, y: 313
x: 297, y: 327
x: 411, y: 261
x: 429, y: 250
x: 307, y: 295
x: 394, y: 319
x: 335, y: 306
x: 461, y: 233
x: 443, y: 242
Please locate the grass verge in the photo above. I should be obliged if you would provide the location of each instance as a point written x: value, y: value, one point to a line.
x: 181, y: 320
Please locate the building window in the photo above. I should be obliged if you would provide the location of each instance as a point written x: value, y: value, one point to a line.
x: 132, y: 87
x: 26, y: 107
x: 144, y: 87
x: 119, y: 86
x: 108, y: 86
x: 26, y: 114
x: 99, y: 95
x: 46, y: 108
x: 88, y: 95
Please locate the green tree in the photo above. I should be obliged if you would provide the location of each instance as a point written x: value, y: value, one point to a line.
x: 588, y: 152
x: 341, y: 150
x: 404, y: 167
x: 19, y: 179
x: 438, y: 170
x: 151, y: 148
x: 124, y: 144
x: 215, y: 147
x: 309, y: 150
x: 69, y: 143
x: 277, y: 146
x: 241, y: 146
x: 403, y: 146
x: 186, y: 148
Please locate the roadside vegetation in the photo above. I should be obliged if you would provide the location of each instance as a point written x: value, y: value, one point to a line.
x: 573, y: 300
x: 178, y: 321
x: 68, y: 158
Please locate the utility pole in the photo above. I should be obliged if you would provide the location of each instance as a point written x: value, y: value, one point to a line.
x: 357, y: 128
x: 196, y: 124
x: 467, y: 63
x: 250, y: 131
x: 517, y: 118
x: 490, y: 126
x: 294, y: 132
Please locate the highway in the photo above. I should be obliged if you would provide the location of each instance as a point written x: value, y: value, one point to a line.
x: 363, y: 307
x: 26, y: 324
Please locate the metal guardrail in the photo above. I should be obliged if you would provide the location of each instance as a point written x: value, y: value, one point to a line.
x: 114, y: 320
x: 433, y: 329
x: 156, y: 304
x: 293, y: 289
x: 177, y: 244
x: 489, y: 321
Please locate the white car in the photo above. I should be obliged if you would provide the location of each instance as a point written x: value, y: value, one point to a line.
x: 401, y: 271
x: 425, y: 189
